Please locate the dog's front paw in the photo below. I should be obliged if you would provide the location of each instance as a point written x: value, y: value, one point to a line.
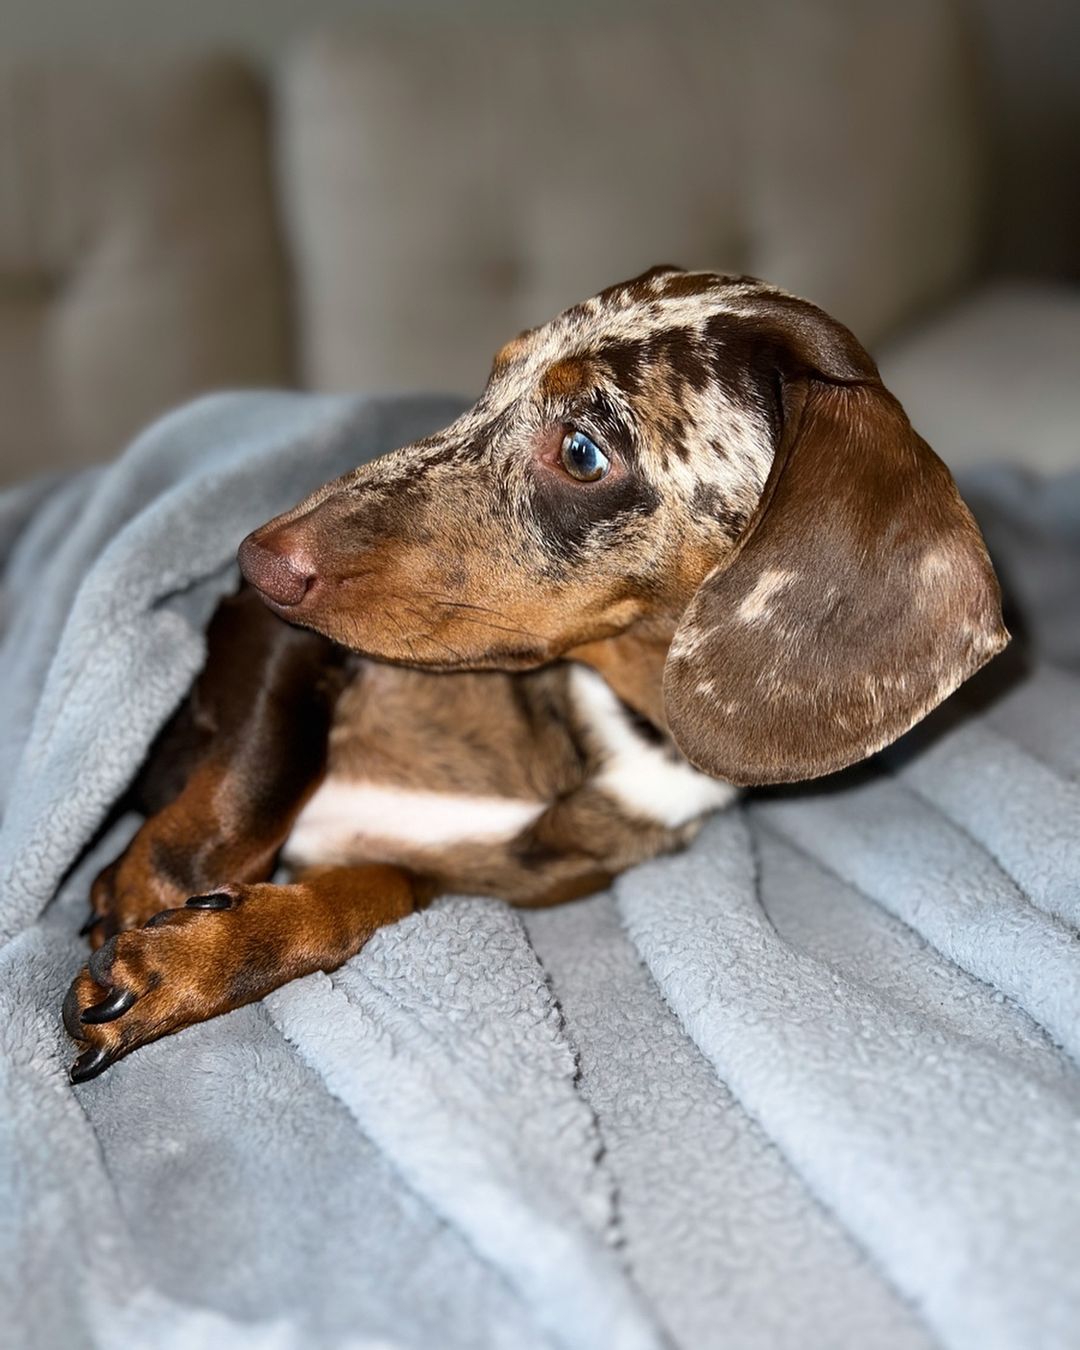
x: 147, y: 982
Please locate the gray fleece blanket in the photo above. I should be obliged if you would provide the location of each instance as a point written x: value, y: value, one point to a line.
x: 812, y: 1083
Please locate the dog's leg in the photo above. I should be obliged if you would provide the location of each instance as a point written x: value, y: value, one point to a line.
x: 231, y: 772
x: 225, y: 949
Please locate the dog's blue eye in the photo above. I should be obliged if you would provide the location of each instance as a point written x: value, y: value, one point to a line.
x: 582, y: 458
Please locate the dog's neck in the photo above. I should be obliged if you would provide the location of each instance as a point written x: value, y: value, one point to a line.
x: 633, y: 665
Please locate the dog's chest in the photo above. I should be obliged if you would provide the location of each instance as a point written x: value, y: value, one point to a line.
x: 423, y: 764
x: 638, y: 768
x: 351, y: 821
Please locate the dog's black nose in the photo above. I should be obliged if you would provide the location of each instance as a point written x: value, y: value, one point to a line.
x: 281, y: 575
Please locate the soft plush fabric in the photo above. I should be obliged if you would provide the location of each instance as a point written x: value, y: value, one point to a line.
x: 140, y: 256
x: 811, y: 1083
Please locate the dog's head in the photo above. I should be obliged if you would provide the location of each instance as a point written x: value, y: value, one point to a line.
x: 701, y: 459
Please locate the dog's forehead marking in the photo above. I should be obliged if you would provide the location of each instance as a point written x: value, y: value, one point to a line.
x: 696, y: 433
x: 628, y: 313
x: 565, y: 376
x: 558, y: 357
x: 635, y: 312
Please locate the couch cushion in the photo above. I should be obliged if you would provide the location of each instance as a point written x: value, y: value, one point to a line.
x: 448, y: 186
x: 996, y: 377
x: 451, y: 183
x: 864, y: 188
x: 139, y: 256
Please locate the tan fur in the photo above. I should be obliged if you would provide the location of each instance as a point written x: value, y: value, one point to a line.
x: 451, y: 732
x: 564, y: 378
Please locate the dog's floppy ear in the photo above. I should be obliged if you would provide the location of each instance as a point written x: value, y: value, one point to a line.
x: 860, y: 595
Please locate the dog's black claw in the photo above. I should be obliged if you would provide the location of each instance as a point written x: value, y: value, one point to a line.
x: 158, y: 919
x: 89, y: 1064
x: 117, y: 1003
x: 216, y: 900
x: 91, y: 923
x: 70, y: 1014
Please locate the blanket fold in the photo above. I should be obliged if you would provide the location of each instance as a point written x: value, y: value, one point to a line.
x: 815, y: 1082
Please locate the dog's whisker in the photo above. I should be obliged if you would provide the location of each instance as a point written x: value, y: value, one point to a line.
x: 446, y: 603
x: 405, y: 637
x: 533, y: 635
x: 504, y: 628
x: 443, y: 599
x: 431, y: 637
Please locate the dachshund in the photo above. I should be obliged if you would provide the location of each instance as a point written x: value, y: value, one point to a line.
x: 684, y: 542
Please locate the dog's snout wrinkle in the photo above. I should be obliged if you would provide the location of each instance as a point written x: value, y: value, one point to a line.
x: 282, y: 575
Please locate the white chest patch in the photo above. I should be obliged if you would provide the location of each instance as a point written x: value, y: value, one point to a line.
x: 642, y: 777
x: 343, y: 814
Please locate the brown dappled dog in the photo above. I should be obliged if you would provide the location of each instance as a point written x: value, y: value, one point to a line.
x: 684, y: 535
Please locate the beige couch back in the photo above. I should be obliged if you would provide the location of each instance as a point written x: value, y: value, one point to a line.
x: 444, y: 185
x: 140, y: 256
x: 450, y: 185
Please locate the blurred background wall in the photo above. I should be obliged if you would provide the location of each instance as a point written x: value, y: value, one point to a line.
x: 376, y: 195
